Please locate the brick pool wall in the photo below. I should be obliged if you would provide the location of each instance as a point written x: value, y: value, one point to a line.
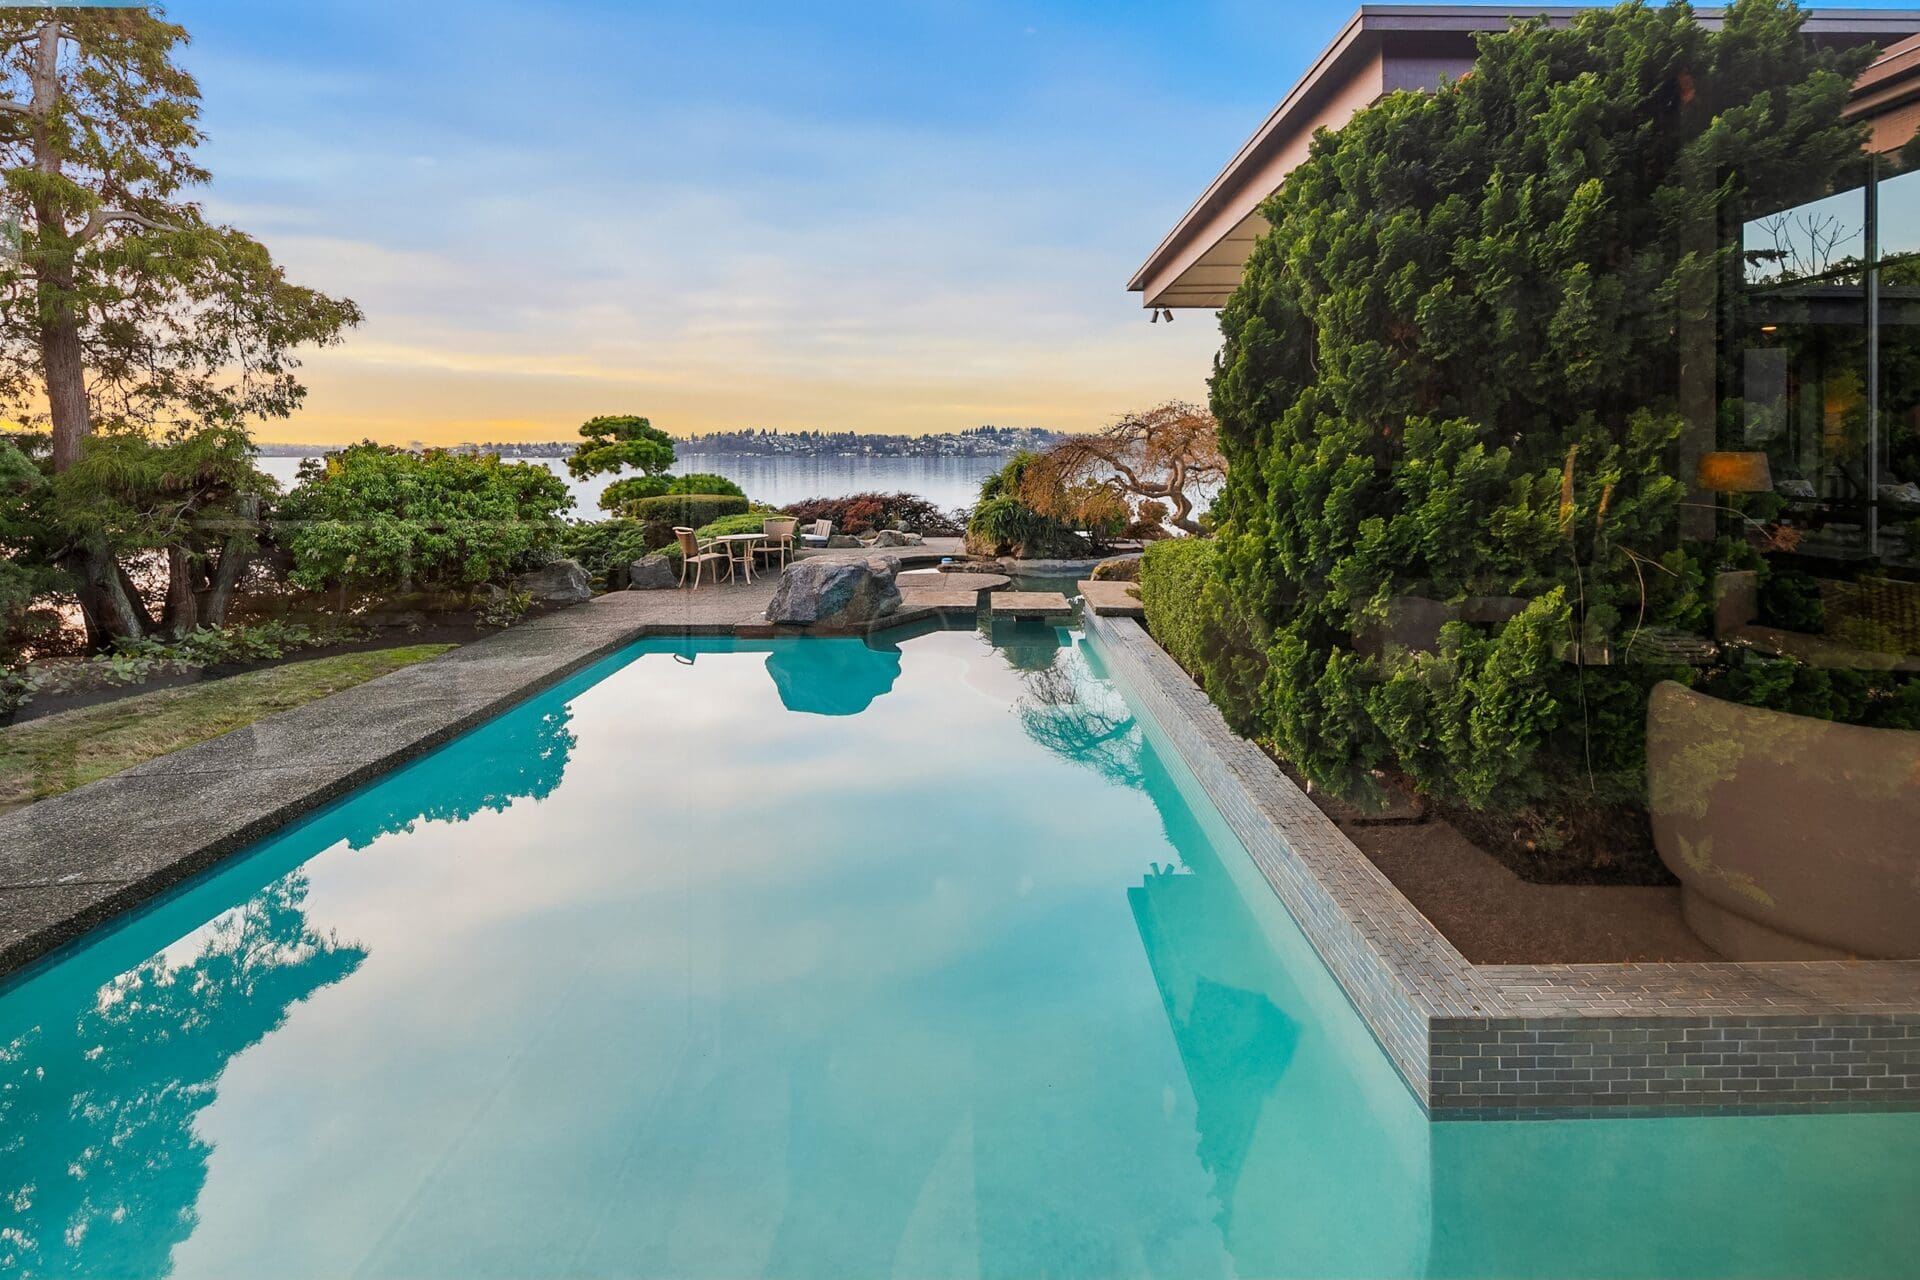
x: 1534, y: 1041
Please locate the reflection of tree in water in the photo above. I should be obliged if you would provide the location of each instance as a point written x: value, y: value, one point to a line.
x: 97, y: 1105
x: 1082, y: 719
x: 522, y: 755
x: 1208, y: 954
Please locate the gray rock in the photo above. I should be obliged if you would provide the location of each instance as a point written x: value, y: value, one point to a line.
x: 842, y: 542
x: 651, y: 573
x: 834, y: 593
x: 561, y: 582
x: 889, y: 538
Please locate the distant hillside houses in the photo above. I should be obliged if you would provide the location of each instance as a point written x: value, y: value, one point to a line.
x: 980, y: 442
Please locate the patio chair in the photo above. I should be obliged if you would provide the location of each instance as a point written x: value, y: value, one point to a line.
x: 818, y: 535
x: 698, y: 555
x: 779, y: 539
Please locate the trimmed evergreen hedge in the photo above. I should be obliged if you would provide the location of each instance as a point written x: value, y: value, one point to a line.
x: 688, y: 510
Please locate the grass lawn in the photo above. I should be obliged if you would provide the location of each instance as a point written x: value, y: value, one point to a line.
x: 57, y: 753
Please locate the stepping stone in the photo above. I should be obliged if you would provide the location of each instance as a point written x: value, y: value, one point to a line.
x: 1030, y: 604
x: 952, y: 581
x: 1113, y: 599
x: 915, y: 596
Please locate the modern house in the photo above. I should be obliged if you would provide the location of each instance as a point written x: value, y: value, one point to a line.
x: 1822, y: 375
x: 1386, y: 48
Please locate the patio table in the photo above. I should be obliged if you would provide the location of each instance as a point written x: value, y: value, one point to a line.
x: 740, y: 550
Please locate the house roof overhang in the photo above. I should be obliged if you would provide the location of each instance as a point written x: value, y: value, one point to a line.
x: 1382, y: 49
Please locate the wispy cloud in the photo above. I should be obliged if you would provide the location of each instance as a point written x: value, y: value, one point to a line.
x: 752, y: 217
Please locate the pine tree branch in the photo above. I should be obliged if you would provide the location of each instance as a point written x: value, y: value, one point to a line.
x: 100, y: 219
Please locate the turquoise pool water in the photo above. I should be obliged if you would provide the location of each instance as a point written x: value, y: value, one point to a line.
x: 810, y: 959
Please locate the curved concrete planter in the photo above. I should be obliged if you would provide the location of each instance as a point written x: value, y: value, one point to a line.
x: 1794, y: 838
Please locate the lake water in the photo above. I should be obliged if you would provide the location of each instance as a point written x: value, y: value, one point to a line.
x: 946, y: 482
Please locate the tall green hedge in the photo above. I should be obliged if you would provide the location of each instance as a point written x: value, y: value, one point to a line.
x: 1451, y: 381
x: 687, y: 510
x: 1192, y: 615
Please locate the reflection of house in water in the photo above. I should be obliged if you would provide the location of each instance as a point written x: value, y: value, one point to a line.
x: 1233, y: 1042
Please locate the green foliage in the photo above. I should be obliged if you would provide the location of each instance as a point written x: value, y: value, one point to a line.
x: 1790, y: 598
x: 1003, y: 524
x: 604, y: 548
x: 184, y: 324
x: 749, y: 522
x: 135, y: 661
x: 1881, y: 699
x: 377, y: 516
x: 704, y: 482
x: 629, y: 489
x: 131, y: 492
x: 620, y: 493
x: 506, y: 608
x: 1450, y: 376
x: 687, y: 510
x: 258, y: 642
x: 1198, y: 620
x: 614, y: 443
x: 24, y: 568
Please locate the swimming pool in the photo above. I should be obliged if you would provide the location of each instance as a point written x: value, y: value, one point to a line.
x: 816, y: 958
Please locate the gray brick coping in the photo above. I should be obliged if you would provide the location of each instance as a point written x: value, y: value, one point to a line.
x: 1534, y: 1041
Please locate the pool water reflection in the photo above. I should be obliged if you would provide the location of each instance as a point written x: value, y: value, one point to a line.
x: 814, y: 959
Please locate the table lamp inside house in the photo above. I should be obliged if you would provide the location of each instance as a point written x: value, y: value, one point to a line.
x: 1732, y: 473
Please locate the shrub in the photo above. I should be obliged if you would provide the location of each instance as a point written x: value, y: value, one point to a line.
x: 1435, y: 387
x: 371, y: 515
x: 750, y: 522
x: 687, y: 510
x: 1004, y: 524
x: 704, y: 482
x: 859, y: 513
x: 1190, y: 614
x: 258, y: 642
x: 631, y: 489
x: 1790, y: 598
x: 604, y: 548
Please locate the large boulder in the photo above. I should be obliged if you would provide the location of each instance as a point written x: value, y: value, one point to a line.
x: 652, y: 573
x: 558, y: 583
x: 834, y: 593
x: 842, y: 542
x: 890, y: 538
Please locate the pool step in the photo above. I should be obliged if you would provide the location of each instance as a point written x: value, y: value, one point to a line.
x: 1030, y: 604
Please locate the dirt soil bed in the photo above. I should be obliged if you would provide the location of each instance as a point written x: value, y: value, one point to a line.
x: 1495, y: 916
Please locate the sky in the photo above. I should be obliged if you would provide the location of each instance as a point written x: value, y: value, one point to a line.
x: 904, y: 217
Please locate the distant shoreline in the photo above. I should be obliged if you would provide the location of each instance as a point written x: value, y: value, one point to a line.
x: 981, y: 442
